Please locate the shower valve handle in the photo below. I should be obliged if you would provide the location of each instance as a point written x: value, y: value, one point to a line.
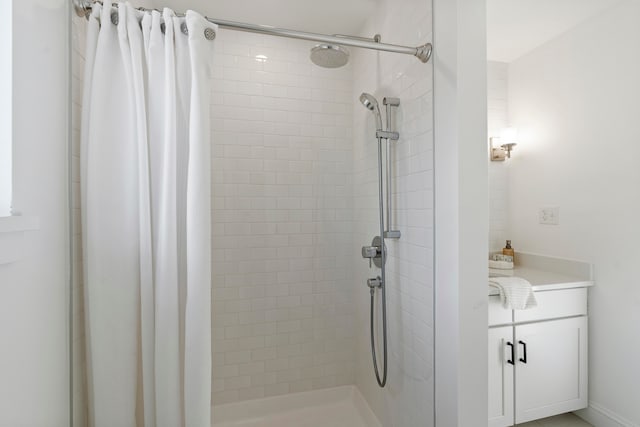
x: 370, y: 252
x: 374, y: 252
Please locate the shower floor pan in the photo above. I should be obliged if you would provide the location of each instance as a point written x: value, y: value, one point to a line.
x: 333, y: 407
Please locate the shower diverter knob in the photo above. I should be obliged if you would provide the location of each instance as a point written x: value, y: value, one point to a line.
x: 370, y: 251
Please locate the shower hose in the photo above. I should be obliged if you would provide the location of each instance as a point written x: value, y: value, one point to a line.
x: 382, y: 381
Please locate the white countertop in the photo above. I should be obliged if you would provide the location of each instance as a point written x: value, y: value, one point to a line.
x: 548, y: 276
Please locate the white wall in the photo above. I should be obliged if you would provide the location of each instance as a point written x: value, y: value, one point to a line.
x: 281, y: 219
x: 461, y: 212
x: 5, y: 109
x: 497, y: 119
x: 34, y: 360
x: 408, y: 397
x: 577, y: 99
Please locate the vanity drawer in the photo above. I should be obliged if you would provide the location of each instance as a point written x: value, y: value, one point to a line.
x: 498, y: 315
x: 554, y: 304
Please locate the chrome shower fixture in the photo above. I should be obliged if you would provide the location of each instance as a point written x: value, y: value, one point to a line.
x: 369, y: 101
x: 329, y: 55
x: 376, y: 253
x: 332, y: 55
x: 371, y: 104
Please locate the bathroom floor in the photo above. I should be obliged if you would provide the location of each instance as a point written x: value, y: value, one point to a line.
x: 564, y: 420
x: 338, y: 407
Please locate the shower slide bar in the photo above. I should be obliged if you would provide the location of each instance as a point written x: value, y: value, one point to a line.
x: 423, y: 52
x: 389, y: 135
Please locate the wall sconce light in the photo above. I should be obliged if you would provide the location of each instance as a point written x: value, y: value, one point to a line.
x: 501, y: 146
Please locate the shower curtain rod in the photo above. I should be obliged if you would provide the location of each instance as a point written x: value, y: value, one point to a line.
x: 423, y: 52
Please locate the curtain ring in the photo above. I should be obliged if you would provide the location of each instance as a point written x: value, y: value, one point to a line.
x: 184, y: 29
x: 209, y: 34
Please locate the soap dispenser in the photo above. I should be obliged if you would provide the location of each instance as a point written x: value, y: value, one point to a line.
x: 508, y: 250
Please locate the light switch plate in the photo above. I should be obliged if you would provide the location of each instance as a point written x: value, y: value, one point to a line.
x: 549, y: 215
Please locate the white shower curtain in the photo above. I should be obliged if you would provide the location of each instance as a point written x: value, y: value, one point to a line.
x: 145, y: 191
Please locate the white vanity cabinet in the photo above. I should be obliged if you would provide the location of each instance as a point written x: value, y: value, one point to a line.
x: 538, y: 358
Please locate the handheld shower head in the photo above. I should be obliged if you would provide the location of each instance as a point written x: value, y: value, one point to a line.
x: 368, y: 101
x: 371, y: 104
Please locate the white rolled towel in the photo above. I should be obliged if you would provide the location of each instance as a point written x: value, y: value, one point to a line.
x: 516, y: 293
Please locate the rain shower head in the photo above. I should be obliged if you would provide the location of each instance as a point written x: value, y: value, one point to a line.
x: 329, y: 55
x: 371, y: 104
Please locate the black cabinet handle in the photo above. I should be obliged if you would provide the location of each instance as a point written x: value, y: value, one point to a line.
x: 524, y: 347
x: 510, y: 362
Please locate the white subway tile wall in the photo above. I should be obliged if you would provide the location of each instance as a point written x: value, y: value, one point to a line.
x: 498, y: 118
x: 408, y: 397
x: 79, y: 391
x: 283, y: 317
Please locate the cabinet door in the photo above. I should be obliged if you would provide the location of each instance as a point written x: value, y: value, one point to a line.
x: 552, y: 378
x: 500, y: 377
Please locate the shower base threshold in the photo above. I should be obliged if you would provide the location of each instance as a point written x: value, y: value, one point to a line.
x: 332, y: 407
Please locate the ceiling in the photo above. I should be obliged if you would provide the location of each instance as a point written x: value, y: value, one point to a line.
x: 515, y: 27
x: 319, y: 16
